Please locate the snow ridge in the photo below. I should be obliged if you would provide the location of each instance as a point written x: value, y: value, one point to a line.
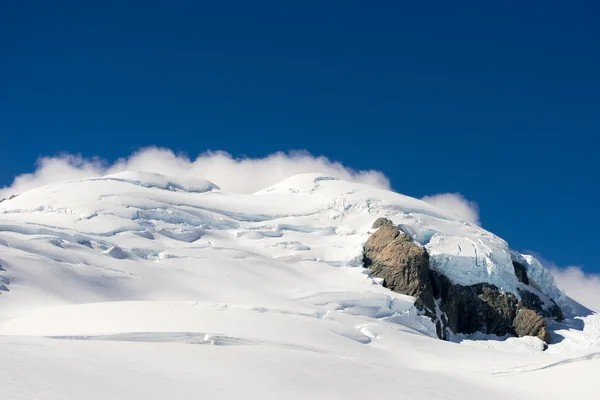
x: 287, y: 218
x: 94, y: 268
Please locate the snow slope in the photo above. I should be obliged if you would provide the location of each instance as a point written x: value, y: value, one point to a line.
x: 138, y: 285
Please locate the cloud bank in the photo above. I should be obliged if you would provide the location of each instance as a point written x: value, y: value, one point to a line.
x: 457, y: 204
x: 241, y: 175
x: 248, y: 175
x: 582, y: 287
x: 578, y: 285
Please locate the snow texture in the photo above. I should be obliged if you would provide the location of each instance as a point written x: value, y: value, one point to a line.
x: 138, y: 285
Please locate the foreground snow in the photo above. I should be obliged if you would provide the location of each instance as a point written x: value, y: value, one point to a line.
x: 144, y: 286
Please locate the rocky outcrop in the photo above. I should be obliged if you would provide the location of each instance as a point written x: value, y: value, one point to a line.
x: 529, y: 323
x: 10, y: 198
x: 402, y: 264
x: 476, y: 308
x: 404, y: 267
x: 381, y: 222
x: 521, y: 272
x: 554, y: 312
x: 533, y: 302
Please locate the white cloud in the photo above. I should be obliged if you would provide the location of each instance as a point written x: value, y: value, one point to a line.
x: 457, y: 204
x: 243, y: 175
x: 54, y: 169
x: 578, y: 285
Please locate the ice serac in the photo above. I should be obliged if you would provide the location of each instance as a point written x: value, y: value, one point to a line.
x: 404, y: 266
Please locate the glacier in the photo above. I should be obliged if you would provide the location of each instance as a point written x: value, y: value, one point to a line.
x: 135, y: 265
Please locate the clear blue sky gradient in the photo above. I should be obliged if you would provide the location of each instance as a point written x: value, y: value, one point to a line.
x: 500, y: 102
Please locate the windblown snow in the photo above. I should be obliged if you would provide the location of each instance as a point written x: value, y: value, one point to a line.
x: 139, y: 285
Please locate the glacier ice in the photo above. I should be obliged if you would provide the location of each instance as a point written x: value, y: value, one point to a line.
x: 129, y: 273
x: 307, y: 218
x: 330, y: 217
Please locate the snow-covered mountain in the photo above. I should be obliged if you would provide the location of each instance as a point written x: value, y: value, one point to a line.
x: 110, y: 285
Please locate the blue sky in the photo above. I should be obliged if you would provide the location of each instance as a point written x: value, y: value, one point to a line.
x: 498, y: 102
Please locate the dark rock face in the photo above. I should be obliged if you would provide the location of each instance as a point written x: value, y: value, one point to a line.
x: 521, y: 272
x: 404, y: 267
x: 458, y: 304
x: 531, y: 300
x: 555, y: 312
x: 476, y: 308
x: 15, y: 195
x: 497, y: 308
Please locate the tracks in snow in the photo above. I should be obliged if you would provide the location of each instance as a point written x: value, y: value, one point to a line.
x: 525, y: 369
x: 197, y: 338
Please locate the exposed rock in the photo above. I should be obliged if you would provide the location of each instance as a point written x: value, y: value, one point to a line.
x: 381, y: 222
x: 532, y: 301
x: 458, y: 303
x: 528, y: 323
x: 530, y: 319
x: 10, y: 198
x: 521, y: 272
x: 555, y: 312
x: 476, y: 308
x: 404, y: 267
x: 402, y: 264
x: 498, y: 308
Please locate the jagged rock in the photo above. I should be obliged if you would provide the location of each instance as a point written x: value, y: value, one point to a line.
x: 498, y: 308
x: 476, y: 308
x: 10, y: 198
x: 555, y: 312
x: 402, y: 264
x: 532, y: 301
x: 458, y: 303
x: 528, y: 323
x: 404, y: 267
x: 379, y: 222
x: 521, y: 272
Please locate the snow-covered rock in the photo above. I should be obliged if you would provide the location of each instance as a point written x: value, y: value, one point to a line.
x: 135, y: 265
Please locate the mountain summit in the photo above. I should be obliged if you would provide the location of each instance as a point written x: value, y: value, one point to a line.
x: 293, y: 291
